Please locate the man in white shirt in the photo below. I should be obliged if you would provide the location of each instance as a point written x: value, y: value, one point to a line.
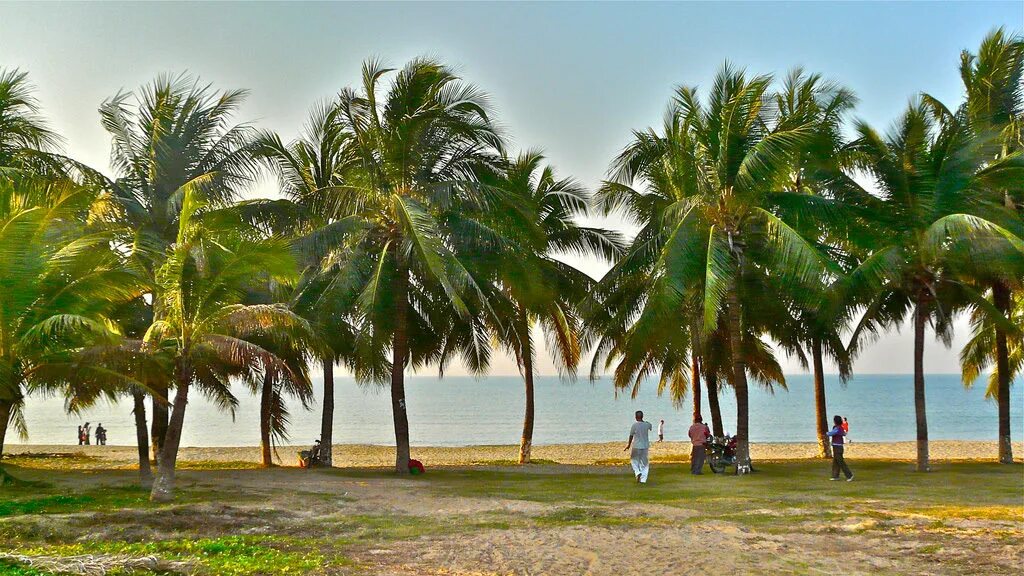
x: 661, y: 431
x: 640, y: 443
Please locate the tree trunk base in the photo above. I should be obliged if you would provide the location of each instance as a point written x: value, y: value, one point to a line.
x: 524, y: 451
x: 163, y: 489
x: 1005, y: 450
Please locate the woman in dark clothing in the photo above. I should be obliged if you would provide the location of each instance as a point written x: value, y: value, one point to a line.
x: 838, y: 463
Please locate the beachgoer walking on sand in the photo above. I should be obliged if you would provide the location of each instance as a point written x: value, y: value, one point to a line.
x: 699, y: 434
x: 661, y: 431
x: 846, y: 430
x: 640, y: 443
x: 838, y: 462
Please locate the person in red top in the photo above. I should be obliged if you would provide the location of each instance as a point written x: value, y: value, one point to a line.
x: 846, y: 430
x: 699, y: 434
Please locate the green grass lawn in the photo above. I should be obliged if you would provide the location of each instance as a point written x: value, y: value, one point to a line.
x: 216, y: 527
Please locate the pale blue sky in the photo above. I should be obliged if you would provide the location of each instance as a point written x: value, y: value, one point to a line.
x: 571, y: 78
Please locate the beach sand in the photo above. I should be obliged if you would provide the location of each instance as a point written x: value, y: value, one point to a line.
x: 356, y: 455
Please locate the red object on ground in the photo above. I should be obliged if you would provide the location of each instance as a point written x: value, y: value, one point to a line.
x: 416, y: 467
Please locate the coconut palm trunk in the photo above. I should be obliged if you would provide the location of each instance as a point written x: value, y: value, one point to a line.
x: 327, y: 419
x: 739, y: 371
x: 716, y: 410
x: 6, y: 408
x: 400, y: 351
x: 695, y: 386
x: 526, y: 443
x: 266, y: 398
x: 160, y: 417
x: 163, y: 484
x: 142, y: 438
x: 1001, y: 299
x: 920, y: 319
x: 820, y: 411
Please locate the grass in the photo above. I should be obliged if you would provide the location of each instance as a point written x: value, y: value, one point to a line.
x: 227, y: 556
x: 218, y: 529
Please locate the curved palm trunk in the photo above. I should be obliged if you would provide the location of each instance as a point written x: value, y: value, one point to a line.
x: 739, y: 371
x: 163, y: 484
x: 6, y: 409
x: 713, y: 406
x: 142, y: 438
x: 400, y: 351
x: 327, y: 419
x: 266, y: 397
x: 695, y: 386
x: 160, y: 417
x: 526, y: 443
x: 820, y: 413
x: 920, y: 318
x: 1001, y: 299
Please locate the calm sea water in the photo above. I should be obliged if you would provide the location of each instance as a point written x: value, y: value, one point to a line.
x: 460, y: 411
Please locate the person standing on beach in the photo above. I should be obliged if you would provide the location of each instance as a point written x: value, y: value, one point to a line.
x: 86, y: 432
x: 699, y: 434
x: 846, y: 430
x: 640, y: 443
x: 838, y: 462
x: 661, y: 431
x: 80, y: 439
x: 101, y: 435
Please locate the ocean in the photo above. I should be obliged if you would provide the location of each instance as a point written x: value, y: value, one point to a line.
x: 464, y: 411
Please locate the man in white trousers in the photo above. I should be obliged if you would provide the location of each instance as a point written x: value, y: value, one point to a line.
x: 639, y: 440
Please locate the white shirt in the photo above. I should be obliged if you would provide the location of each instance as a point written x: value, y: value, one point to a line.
x: 661, y: 428
x: 639, y: 433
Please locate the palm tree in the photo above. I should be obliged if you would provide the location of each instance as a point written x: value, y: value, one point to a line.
x: 994, y: 107
x: 171, y: 133
x: 23, y: 133
x: 59, y: 285
x: 928, y: 215
x: 417, y: 149
x: 206, y: 328
x: 707, y: 219
x: 537, y: 289
x: 307, y: 168
x: 273, y: 385
x: 808, y: 98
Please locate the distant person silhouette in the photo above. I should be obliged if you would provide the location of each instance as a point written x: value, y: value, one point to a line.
x: 81, y: 440
x: 846, y: 430
x: 661, y: 431
x: 101, y: 435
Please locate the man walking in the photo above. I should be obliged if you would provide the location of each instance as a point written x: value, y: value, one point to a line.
x: 838, y: 462
x: 661, y: 431
x: 699, y: 433
x: 640, y: 442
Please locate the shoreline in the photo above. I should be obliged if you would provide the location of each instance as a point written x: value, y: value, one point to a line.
x: 604, y: 453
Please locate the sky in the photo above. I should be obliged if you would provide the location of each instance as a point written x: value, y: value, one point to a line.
x: 573, y: 79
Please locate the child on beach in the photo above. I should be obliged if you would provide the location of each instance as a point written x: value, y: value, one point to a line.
x: 838, y: 462
x: 846, y: 430
x: 641, y: 444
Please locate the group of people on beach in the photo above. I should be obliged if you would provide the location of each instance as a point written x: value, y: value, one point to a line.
x: 639, y: 446
x: 85, y: 431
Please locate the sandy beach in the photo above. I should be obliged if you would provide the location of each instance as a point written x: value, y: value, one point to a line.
x: 356, y: 455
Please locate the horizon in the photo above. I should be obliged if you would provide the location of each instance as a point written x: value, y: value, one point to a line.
x: 545, y: 66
